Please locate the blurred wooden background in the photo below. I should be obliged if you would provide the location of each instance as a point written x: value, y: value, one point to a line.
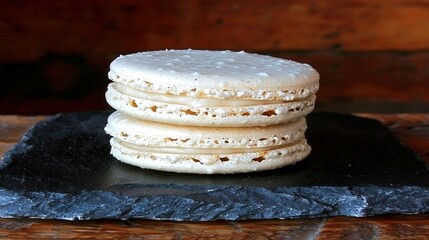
x: 373, y: 56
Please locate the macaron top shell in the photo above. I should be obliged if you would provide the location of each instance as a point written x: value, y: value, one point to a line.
x: 147, y: 133
x: 215, y: 74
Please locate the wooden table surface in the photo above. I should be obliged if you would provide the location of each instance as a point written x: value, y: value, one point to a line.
x: 411, y: 129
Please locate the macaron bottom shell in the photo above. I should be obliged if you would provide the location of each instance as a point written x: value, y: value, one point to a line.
x: 210, y: 164
x: 234, y: 116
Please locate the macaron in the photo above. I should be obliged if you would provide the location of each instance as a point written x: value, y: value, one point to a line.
x: 196, y: 149
x: 209, y: 112
x: 211, y: 88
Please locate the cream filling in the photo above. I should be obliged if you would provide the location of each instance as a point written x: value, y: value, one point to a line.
x: 202, y: 151
x: 189, y: 101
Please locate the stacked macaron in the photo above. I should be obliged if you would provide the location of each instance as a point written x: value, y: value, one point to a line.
x: 208, y: 112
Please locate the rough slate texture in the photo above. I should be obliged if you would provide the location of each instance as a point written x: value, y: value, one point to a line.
x: 62, y: 169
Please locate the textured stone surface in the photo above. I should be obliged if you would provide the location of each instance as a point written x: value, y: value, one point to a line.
x: 62, y: 169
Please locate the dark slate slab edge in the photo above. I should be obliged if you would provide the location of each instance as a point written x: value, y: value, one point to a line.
x: 217, y: 203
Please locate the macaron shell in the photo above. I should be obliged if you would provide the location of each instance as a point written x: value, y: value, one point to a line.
x: 153, y: 134
x: 216, y: 74
x: 242, y: 116
x: 211, y: 164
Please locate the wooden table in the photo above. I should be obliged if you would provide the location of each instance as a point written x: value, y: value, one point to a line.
x: 411, y: 129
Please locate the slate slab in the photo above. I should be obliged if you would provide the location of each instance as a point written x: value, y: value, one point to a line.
x: 62, y: 169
